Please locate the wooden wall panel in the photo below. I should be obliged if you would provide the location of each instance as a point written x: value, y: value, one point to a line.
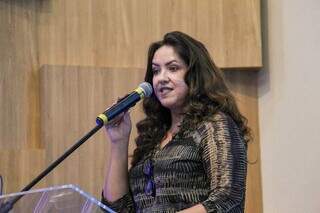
x: 104, y: 33
x: 18, y: 167
x: 18, y: 75
x: 117, y: 33
x: 71, y: 99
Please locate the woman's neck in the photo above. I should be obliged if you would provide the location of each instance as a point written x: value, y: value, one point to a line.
x: 176, y: 119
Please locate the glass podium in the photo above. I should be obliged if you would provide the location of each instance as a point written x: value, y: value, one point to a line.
x: 66, y: 198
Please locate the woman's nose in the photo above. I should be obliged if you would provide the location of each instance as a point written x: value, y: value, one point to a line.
x: 163, y: 76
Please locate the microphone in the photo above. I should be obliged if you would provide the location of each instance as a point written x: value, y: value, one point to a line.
x: 143, y: 90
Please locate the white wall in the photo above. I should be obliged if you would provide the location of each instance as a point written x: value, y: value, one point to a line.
x: 289, y: 106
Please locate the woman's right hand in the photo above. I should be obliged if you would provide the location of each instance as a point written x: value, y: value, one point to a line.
x: 119, y: 129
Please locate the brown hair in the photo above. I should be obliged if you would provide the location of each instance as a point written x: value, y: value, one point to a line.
x: 207, y: 94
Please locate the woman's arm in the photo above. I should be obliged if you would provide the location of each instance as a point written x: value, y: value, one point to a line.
x: 116, y: 188
x: 224, y: 158
x: 116, y: 179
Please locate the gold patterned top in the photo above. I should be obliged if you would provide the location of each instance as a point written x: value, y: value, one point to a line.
x: 208, y: 165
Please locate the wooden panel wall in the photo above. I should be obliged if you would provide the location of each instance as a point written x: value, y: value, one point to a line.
x: 19, y: 73
x: 78, y: 39
x: 229, y: 28
x: 71, y: 98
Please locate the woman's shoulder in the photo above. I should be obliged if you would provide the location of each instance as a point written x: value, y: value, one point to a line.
x: 219, y: 118
x: 206, y: 125
x: 220, y: 126
x: 215, y: 125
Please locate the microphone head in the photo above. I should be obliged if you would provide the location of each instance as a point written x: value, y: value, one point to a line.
x: 147, y: 88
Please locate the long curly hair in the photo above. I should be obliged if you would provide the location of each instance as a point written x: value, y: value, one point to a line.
x: 207, y: 94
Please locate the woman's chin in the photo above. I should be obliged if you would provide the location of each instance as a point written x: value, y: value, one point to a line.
x: 168, y: 104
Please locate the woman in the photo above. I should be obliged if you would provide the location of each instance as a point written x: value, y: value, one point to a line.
x: 191, y: 147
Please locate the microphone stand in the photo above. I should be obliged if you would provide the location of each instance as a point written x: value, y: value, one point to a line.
x: 8, y: 205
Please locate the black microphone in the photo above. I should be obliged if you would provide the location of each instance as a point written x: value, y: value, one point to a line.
x: 144, y: 90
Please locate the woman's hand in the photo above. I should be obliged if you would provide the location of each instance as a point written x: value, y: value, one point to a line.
x: 119, y: 129
x: 199, y: 208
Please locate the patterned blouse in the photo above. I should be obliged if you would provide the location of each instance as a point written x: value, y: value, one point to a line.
x: 207, y: 166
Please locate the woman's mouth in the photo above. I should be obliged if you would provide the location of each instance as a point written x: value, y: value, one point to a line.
x: 165, y: 90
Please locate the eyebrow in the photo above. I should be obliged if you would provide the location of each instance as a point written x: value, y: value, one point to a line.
x: 168, y: 63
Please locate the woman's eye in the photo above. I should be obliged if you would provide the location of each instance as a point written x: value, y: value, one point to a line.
x: 173, y: 68
x: 155, y: 70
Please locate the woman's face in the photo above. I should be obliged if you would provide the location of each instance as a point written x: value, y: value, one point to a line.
x: 168, y: 82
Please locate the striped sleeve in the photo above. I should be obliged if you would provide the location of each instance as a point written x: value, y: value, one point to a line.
x: 123, y: 204
x: 224, y: 157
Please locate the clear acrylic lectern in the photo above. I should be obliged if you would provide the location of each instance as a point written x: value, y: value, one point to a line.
x: 67, y: 198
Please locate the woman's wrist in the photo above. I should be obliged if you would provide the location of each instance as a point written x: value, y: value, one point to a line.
x: 120, y: 146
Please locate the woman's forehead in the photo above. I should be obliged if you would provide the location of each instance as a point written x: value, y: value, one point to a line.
x: 165, y: 55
